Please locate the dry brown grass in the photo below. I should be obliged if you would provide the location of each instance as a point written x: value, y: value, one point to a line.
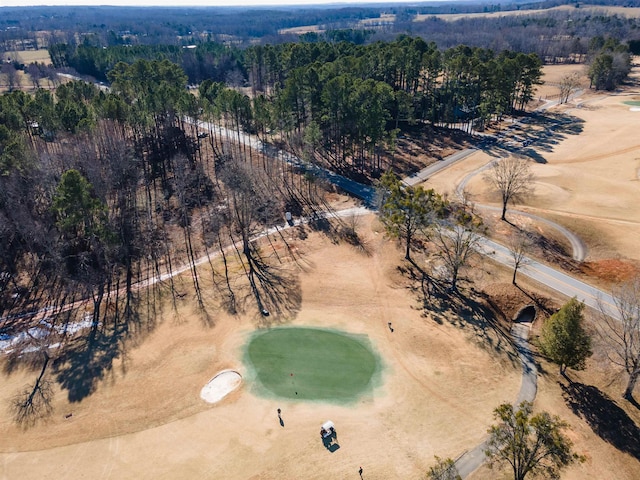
x: 146, y: 419
x: 31, y: 56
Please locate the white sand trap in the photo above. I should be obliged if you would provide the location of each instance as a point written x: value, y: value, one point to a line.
x: 220, y: 386
x: 635, y: 109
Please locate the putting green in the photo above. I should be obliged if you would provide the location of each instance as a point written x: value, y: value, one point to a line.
x: 312, y: 364
x: 633, y: 103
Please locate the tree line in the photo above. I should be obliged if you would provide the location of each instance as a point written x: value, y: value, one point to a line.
x: 339, y: 103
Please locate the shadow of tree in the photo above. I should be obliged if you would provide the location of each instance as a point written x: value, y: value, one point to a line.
x: 468, y: 311
x: 606, y: 419
x: 89, y: 357
x: 278, y: 290
x: 552, y: 129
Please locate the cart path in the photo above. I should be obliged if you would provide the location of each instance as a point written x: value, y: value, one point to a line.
x: 469, y: 461
x: 577, y: 245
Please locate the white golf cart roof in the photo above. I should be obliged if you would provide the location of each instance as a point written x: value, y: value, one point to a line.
x: 328, y: 425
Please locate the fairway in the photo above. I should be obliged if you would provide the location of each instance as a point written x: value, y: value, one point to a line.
x: 312, y: 364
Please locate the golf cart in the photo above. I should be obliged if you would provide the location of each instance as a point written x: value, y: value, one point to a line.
x: 328, y: 429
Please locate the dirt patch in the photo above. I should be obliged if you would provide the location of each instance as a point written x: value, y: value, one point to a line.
x: 611, y: 270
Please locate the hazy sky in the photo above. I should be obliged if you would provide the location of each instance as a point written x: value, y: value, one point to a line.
x: 183, y: 3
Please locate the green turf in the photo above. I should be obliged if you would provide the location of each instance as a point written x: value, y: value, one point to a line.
x: 633, y: 103
x: 326, y: 365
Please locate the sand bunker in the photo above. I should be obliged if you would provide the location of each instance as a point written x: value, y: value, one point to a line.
x: 220, y: 386
x: 635, y: 109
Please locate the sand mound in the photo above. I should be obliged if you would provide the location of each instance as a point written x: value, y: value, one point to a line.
x: 220, y: 386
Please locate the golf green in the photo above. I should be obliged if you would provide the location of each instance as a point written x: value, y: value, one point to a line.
x: 312, y: 364
x: 633, y: 103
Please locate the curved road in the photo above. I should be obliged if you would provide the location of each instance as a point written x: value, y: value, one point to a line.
x: 577, y: 245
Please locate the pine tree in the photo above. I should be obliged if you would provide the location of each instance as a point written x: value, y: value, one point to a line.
x: 564, y: 339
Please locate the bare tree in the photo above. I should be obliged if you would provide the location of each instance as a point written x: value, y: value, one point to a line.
x: 455, y: 247
x: 568, y: 84
x: 518, y: 246
x: 251, y: 207
x: 512, y: 178
x: 13, y: 79
x: 623, y: 335
x: 35, y: 73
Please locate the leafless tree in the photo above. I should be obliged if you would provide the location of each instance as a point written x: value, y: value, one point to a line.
x: 13, y: 79
x: 455, y: 246
x: 512, y: 178
x: 518, y: 246
x: 251, y: 207
x: 623, y: 336
x: 35, y: 73
x: 568, y: 84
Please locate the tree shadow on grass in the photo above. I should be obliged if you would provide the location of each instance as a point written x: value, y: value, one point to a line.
x: 553, y: 129
x: 606, y: 419
x: 87, y: 359
x: 277, y: 290
x: 468, y: 311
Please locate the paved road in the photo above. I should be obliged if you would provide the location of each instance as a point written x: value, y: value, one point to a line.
x: 557, y: 280
x: 366, y: 193
x: 469, y: 461
x: 434, y: 168
x: 551, y: 277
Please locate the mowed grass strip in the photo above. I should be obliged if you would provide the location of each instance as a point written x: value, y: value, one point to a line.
x: 312, y: 364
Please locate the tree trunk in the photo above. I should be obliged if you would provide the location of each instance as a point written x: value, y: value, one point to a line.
x: 407, y: 253
x: 504, y: 211
x: 633, y: 379
x: 515, y: 271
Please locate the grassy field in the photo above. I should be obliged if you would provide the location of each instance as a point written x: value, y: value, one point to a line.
x: 312, y: 364
x: 30, y: 56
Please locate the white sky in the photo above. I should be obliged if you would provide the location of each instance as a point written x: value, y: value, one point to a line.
x: 185, y: 3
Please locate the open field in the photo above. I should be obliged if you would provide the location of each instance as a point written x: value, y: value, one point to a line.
x: 443, y: 373
x: 553, y: 74
x: 30, y: 56
x: 301, y: 30
x: 595, y: 9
